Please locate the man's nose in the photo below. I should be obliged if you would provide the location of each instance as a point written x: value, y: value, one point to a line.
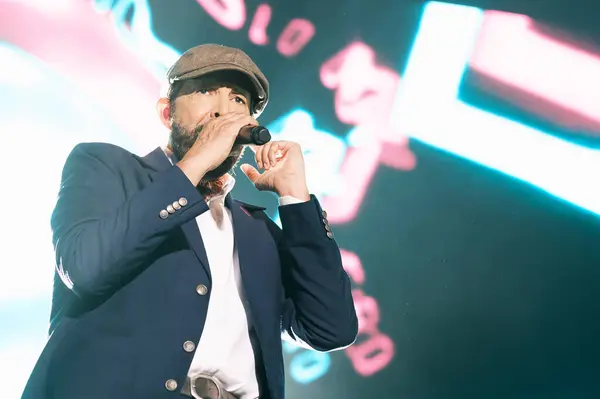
x: 221, y: 106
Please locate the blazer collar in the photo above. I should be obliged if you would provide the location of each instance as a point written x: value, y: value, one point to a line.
x: 157, y: 160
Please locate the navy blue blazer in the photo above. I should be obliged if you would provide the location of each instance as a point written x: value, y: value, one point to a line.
x: 131, y: 286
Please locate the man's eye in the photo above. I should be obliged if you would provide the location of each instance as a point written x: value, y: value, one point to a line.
x: 203, y: 91
x: 240, y: 100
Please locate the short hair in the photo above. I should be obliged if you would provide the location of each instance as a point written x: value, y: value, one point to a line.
x: 172, y: 94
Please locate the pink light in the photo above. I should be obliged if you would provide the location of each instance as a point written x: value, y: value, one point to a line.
x: 81, y: 45
x: 353, y: 266
x: 511, y: 52
x: 356, y: 173
x: 398, y: 156
x: 364, y: 91
x: 364, y: 94
x: 376, y: 352
x: 258, y: 28
x: 296, y: 34
x: 357, y: 170
x: 367, y: 312
x: 229, y: 13
x: 372, y: 355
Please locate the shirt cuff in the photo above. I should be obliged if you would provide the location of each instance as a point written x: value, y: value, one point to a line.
x: 289, y: 200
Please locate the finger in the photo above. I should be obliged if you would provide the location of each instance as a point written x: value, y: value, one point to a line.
x: 246, y: 121
x: 257, y: 155
x: 232, y: 123
x: 229, y: 116
x: 262, y: 157
x: 272, y: 153
x: 241, y: 120
x: 250, y: 120
x: 239, y: 117
x: 224, y: 120
x: 250, y: 172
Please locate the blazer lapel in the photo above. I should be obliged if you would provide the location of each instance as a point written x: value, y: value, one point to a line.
x: 247, y: 234
x: 192, y: 234
x: 157, y: 161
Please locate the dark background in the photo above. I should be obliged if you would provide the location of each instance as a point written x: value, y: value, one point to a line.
x: 488, y: 286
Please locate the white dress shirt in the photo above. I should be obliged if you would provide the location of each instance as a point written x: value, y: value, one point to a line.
x: 224, y: 350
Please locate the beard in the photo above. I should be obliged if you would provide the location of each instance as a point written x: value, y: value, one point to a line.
x: 182, y: 139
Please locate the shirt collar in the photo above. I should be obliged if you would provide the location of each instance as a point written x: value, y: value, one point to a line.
x: 227, y: 187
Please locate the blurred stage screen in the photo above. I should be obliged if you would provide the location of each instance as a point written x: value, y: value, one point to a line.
x: 455, y: 150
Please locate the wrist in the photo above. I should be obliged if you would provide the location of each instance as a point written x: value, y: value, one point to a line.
x: 300, y: 193
x: 193, y: 170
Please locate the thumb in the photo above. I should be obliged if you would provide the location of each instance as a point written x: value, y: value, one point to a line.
x: 251, y: 172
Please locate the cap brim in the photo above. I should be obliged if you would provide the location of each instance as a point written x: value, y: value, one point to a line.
x: 260, y: 92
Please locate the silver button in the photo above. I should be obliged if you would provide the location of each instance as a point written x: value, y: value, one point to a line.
x: 330, y: 234
x: 171, y: 385
x: 163, y: 214
x: 324, y: 213
x: 189, y: 346
x: 176, y: 206
x: 201, y: 289
x: 170, y: 209
x: 182, y: 201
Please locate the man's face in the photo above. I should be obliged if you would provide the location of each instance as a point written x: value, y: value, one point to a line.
x: 202, y: 99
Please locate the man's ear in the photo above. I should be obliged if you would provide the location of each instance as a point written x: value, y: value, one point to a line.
x: 164, y: 112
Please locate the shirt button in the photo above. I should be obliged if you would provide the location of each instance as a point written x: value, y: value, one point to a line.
x: 171, y: 385
x: 201, y: 289
x: 189, y: 346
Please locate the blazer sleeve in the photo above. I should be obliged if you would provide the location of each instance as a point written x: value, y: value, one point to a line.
x: 318, y: 309
x: 101, y: 236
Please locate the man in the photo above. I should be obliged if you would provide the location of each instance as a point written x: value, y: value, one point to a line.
x: 166, y: 287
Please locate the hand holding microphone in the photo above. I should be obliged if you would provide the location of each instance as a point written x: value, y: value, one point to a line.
x: 216, y: 140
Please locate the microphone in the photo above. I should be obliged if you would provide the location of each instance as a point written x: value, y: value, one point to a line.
x: 257, y: 135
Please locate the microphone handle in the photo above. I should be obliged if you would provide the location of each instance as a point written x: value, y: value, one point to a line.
x: 257, y: 135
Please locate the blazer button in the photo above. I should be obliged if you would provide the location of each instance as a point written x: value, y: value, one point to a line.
x: 330, y: 235
x: 163, y: 214
x: 201, y: 289
x: 189, y: 346
x: 171, y: 385
x: 183, y: 201
x: 324, y: 213
x: 170, y: 209
x: 176, y: 205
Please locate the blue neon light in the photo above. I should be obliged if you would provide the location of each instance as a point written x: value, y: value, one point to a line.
x: 427, y: 109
